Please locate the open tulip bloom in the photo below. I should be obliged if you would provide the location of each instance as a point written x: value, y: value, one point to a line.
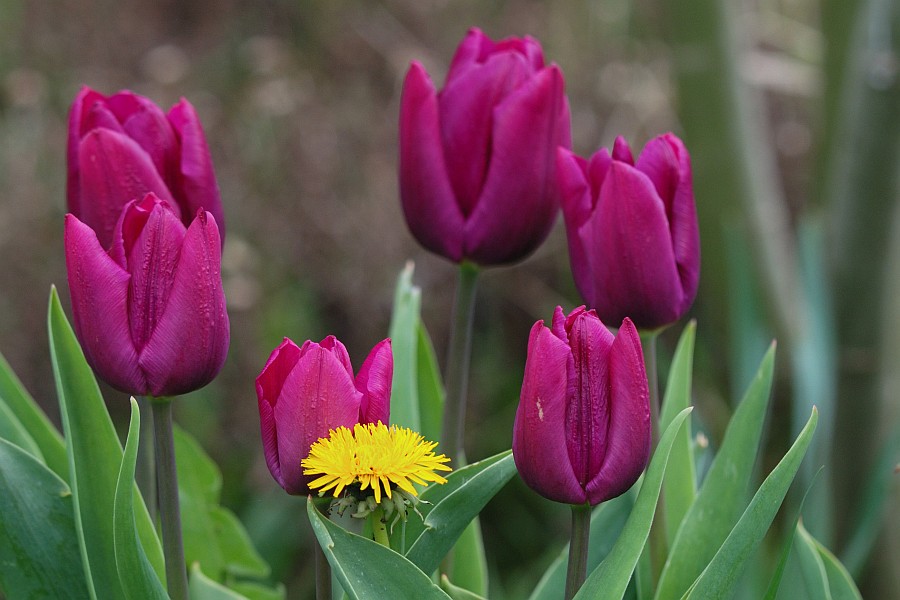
x: 123, y: 146
x: 632, y: 229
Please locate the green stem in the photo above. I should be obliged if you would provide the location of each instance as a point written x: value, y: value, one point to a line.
x: 379, y: 529
x: 169, y: 512
x: 659, y: 545
x: 648, y: 344
x: 146, y: 467
x: 578, y: 548
x: 458, y: 357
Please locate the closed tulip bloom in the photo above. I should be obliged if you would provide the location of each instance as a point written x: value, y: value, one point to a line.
x: 305, y: 391
x: 478, y: 158
x: 150, y: 311
x: 634, y: 244
x: 123, y: 146
x: 582, y: 429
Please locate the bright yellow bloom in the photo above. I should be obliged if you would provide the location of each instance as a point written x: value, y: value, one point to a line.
x: 373, y: 455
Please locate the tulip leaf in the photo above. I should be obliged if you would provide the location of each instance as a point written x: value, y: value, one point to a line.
x: 404, y: 345
x: 610, y: 579
x: 607, y: 521
x: 458, y: 593
x: 723, y: 495
x: 33, y: 420
x: 430, y: 386
x: 468, y: 566
x: 723, y: 571
x: 257, y: 591
x: 452, y: 506
x: 139, y: 582
x: 203, y: 588
x: 12, y: 430
x: 680, y: 481
x: 94, y: 455
x: 823, y: 573
x: 367, y: 569
x: 39, y: 552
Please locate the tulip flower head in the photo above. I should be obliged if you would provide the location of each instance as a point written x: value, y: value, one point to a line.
x: 634, y: 243
x: 306, y: 391
x: 582, y: 432
x: 478, y: 158
x: 123, y: 146
x: 150, y: 311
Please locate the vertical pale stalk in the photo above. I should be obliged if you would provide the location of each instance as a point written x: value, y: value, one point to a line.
x: 458, y: 358
x: 659, y: 547
x: 146, y: 465
x: 379, y: 529
x: 169, y: 511
x: 578, y: 549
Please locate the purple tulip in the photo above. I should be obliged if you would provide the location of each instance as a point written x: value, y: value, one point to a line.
x: 123, y: 147
x: 306, y: 391
x: 478, y: 158
x: 582, y: 430
x: 150, y: 311
x: 634, y: 244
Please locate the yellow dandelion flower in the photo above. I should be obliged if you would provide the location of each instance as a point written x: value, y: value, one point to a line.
x: 376, y: 457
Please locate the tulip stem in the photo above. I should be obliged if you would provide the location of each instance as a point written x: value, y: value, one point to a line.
x: 458, y: 358
x: 169, y: 512
x: 648, y: 343
x: 379, y: 529
x: 659, y: 545
x: 146, y: 467
x: 578, y: 548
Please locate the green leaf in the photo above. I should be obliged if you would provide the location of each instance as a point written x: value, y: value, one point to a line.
x: 824, y: 574
x: 12, y: 430
x: 723, y: 571
x: 241, y: 557
x: 458, y: 593
x: 202, y: 587
x: 404, y: 345
x: 452, y: 506
x: 723, y: 495
x: 610, y: 579
x: 94, y: 455
x: 39, y: 552
x: 468, y: 566
x: 680, y: 481
x: 369, y: 570
x: 607, y: 521
x: 135, y: 572
x: 257, y: 591
x: 33, y: 419
x: 430, y: 386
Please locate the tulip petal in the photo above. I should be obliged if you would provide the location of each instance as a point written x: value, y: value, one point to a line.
x: 99, y: 291
x: 630, y: 248
x: 622, y: 151
x: 427, y: 197
x: 519, y: 202
x: 84, y: 100
x: 196, y: 179
x: 539, y: 434
x: 587, y: 412
x: 146, y: 124
x: 628, y: 444
x: 318, y: 395
x: 336, y: 347
x: 113, y: 170
x: 466, y: 108
x: 269, y: 384
x: 374, y: 381
x: 471, y: 52
x: 575, y: 192
x: 188, y: 346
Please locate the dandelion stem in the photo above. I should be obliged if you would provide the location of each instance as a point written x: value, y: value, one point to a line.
x: 379, y: 530
x: 578, y: 548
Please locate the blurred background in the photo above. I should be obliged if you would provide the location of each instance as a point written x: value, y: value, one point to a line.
x: 790, y: 109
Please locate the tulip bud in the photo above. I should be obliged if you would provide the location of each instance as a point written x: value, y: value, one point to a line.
x: 150, y: 311
x: 582, y: 431
x: 123, y: 147
x: 634, y: 244
x: 305, y: 391
x: 477, y: 159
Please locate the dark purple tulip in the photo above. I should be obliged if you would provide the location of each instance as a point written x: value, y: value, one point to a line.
x: 305, y: 391
x: 123, y: 147
x: 150, y: 311
x: 478, y: 158
x: 634, y: 244
x: 582, y: 430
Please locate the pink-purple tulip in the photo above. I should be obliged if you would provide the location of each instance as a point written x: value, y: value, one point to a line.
x: 123, y: 147
x: 634, y: 244
x: 478, y: 158
x: 582, y: 429
x: 305, y: 391
x: 150, y: 311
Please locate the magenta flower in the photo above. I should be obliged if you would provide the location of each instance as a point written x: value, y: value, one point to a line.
x: 123, y: 146
x: 478, y: 158
x: 582, y: 430
x: 634, y: 244
x: 150, y: 311
x: 306, y: 391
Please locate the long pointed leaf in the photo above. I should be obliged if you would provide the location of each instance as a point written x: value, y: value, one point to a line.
x: 404, y: 344
x: 610, y: 579
x: 11, y: 429
x: 822, y: 570
x: 139, y: 582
